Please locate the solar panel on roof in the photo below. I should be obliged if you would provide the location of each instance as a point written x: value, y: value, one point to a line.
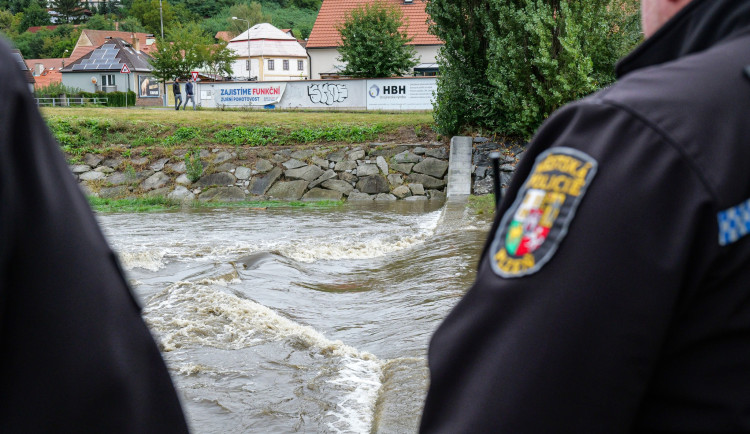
x: 108, y: 46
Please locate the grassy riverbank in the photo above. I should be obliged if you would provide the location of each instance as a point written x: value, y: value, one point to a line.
x: 153, y: 131
x: 163, y: 204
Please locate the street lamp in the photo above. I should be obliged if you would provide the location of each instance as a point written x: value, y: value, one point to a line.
x: 248, y: 45
x: 161, y: 20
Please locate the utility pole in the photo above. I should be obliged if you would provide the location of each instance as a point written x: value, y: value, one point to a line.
x: 248, y: 45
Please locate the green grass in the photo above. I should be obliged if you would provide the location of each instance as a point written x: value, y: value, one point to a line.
x: 482, y: 204
x: 163, y: 204
x: 82, y: 130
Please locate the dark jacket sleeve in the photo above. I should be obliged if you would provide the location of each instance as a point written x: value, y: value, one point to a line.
x: 571, y: 346
x: 76, y: 355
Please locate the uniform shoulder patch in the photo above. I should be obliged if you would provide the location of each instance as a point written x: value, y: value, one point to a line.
x: 533, y: 227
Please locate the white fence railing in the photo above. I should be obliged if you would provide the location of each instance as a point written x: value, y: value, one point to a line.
x: 66, y: 102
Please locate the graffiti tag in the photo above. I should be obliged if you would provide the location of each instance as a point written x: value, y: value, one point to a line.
x: 327, y: 93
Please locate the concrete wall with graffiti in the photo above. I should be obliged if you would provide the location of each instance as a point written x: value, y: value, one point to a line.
x: 380, y: 94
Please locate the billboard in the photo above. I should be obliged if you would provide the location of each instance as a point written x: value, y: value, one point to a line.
x: 148, y: 87
x: 248, y: 94
x: 400, y: 94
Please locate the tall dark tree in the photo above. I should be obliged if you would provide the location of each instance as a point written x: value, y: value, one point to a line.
x: 34, y: 15
x: 68, y: 11
x: 373, y: 43
x: 507, y: 64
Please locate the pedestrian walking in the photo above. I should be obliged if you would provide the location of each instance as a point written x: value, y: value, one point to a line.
x: 177, y: 93
x: 189, y: 94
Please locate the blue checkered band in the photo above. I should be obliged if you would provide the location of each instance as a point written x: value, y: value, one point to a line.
x: 734, y: 223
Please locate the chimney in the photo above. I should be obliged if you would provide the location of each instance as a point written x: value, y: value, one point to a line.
x: 136, y: 43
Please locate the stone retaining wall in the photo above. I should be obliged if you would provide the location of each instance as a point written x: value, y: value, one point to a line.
x: 511, y: 152
x: 369, y: 172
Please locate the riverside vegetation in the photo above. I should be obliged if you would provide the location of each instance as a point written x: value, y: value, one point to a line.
x: 135, y: 139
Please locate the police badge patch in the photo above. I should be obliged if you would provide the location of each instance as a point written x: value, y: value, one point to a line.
x: 538, y: 220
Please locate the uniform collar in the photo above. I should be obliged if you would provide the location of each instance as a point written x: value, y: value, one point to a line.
x: 698, y: 26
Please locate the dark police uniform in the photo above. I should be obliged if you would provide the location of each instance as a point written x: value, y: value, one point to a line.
x: 613, y: 294
x: 75, y: 355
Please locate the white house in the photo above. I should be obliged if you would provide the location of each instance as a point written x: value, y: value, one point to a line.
x: 268, y: 54
x: 324, y: 40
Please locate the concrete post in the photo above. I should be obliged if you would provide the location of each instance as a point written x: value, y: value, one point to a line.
x: 459, y: 168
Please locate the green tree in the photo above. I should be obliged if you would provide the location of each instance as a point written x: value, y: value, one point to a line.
x: 373, y: 44
x: 507, y: 64
x: 8, y: 22
x: 34, y: 15
x: 252, y: 13
x: 132, y: 24
x: 147, y: 12
x: 99, y: 22
x: 181, y: 51
x: 218, y: 59
x: 68, y: 11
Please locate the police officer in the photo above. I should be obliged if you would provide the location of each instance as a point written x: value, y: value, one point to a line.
x: 75, y: 355
x: 613, y: 294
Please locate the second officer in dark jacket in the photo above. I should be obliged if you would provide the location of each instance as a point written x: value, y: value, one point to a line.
x: 613, y: 294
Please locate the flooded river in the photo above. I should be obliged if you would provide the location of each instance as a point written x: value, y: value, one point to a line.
x: 297, y: 319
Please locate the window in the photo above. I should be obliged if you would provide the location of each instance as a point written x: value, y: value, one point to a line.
x: 300, y: 65
x: 108, y: 79
x: 270, y: 64
x: 285, y: 65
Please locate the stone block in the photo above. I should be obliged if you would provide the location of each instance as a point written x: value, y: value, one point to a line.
x: 416, y: 189
x: 322, y: 194
x: 263, y: 166
x: 385, y: 197
x: 338, y: 185
x: 360, y: 197
x: 294, y: 164
x: 432, y: 167
x: 288, y: 190
x: 242, y: 173
x: 401, y: 191
x: 373, y: 184
x: 222, y: 194
x: 367, y: 170
x: 260, y: 185
x: 221, y: 179
x: 155, y: 181
x: 426, y: 180
x: 308, y: 173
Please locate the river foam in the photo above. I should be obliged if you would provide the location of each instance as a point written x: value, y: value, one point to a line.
x: 188, y: 314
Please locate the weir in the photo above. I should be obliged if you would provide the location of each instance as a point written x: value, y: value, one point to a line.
x: 459, y: 169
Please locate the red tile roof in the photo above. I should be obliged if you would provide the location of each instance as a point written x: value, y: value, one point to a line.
x: 223, y: 36
x: 47, y: 78
x: 332, y: 12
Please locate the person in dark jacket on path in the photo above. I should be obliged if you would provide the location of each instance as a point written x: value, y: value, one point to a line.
x: 177, y: 93
x: 75, y: 354
x: 613, y: 294
x: 189, y: 94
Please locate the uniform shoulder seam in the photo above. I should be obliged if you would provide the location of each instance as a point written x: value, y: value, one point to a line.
x: 668, y: 139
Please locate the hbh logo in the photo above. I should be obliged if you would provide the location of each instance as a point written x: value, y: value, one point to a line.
x: 374, y: 91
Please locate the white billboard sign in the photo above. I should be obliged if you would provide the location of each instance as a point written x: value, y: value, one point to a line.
x: 400, y: 94
x: 255, y: 94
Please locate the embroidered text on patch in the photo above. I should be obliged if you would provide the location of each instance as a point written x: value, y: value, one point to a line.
x: 538, y: 220
x: 734, y: 223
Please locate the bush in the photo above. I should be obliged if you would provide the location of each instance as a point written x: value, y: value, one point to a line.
x: 506, y: 66
x: 193, y: 165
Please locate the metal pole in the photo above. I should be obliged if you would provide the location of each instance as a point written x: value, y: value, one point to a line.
x: 248, y: 45
x: 495, y: 158
x: 161, y: 20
